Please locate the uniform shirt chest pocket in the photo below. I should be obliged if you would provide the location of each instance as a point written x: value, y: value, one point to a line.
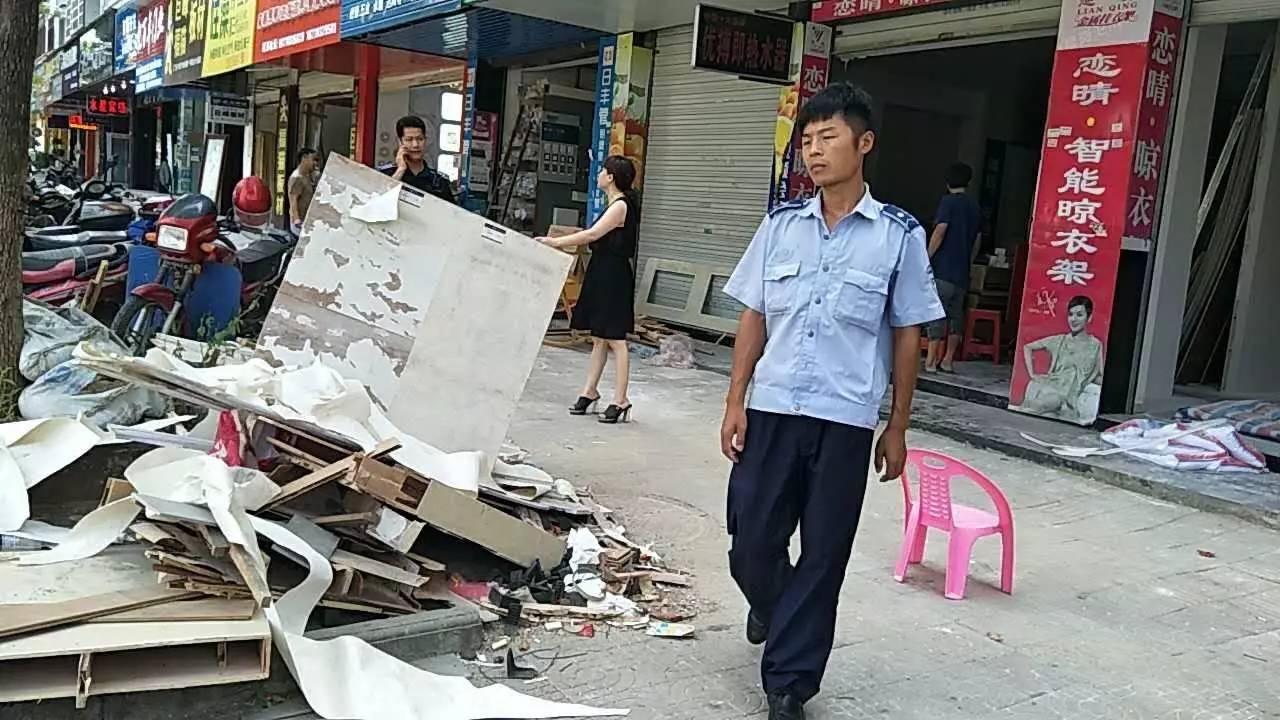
x: 862, y: 299
x: 781, y: 286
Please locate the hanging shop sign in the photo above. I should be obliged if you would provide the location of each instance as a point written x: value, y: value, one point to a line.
x: 621, y: 123
x: 98, y: 51
x: 832, y: 11
x: 77, y: 122
x: 601, y: 123
x: 46, y: 75
x: 106, y: 105
x: 228, y: 45
x: 285, y: 27
x: 184, y: 43
x: 228, y: 110
x: 140, y: 34
x: 753, y: 47
x: 360, y: 17
x: 1158, y: 88
x: 790, y: 178
x: 1102, y: 72
x: 69, y: 66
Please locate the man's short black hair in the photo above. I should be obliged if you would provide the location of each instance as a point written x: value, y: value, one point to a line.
x: 409, y: 121
x: 305, y: 153
x: 844, y: 99
x: 959, y: 176
x: 1081, y: 301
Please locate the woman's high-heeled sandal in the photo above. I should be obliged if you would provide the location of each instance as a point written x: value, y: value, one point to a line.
x: 583, y: 405
x: 614, y: 414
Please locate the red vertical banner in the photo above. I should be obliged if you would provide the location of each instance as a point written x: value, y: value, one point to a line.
x: 1153, y: 124
x: 812, y: 73
x: 1090, y: 159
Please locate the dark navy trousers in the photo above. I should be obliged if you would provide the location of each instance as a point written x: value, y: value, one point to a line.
x: 796, y: 470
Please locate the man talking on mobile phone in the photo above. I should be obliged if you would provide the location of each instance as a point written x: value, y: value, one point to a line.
x: 836, y: 288
x: 411, y: 167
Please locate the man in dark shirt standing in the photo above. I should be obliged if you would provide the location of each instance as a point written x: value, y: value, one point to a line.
x: 411, y: 167
x: 952, y: 247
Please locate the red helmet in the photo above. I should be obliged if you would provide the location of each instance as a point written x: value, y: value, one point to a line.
x: 252, y: 202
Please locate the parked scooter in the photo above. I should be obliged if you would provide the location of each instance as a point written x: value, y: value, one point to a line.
x: 213, y: 277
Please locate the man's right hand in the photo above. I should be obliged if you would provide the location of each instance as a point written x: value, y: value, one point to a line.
x: 402, y: 163
x: 733, y: 433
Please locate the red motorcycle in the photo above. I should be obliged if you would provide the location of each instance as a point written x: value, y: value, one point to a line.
x: 191, y: 242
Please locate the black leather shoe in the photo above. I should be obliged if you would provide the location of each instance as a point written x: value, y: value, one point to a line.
x: 785, y: 706
x: 757, y: 630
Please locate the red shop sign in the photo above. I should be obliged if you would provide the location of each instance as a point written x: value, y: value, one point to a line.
x: 285, y: 27
x: 108, y: 106
x: 1158, y: 86
x: 828, y: 11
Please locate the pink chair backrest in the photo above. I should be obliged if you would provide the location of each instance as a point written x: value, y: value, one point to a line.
x: 934, y: 472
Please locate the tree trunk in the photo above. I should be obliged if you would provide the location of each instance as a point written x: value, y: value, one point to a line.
x: 18, y: 26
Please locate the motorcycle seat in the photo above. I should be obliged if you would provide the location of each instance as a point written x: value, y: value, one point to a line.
x: 260, y: 260
x: 60, y: 264
x: 39, y: 241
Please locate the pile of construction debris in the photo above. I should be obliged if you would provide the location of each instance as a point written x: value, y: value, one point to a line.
x: 359, y: 501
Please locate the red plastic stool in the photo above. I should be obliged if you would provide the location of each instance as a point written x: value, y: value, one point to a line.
x: 973, y: 348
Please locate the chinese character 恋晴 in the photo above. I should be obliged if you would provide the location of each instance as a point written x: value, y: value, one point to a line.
x: 1158, y: 87
x: 1163, y: 46
x: 1099, y: 92
x: 1101, y: 65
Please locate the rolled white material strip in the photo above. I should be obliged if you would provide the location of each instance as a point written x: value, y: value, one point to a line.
x: 94, y: 533
x: 30, y: 451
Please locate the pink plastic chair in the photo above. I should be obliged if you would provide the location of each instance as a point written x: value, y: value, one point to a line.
x: 964, y: 524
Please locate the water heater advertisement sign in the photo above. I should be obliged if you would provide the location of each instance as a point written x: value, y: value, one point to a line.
x: 285, y: 27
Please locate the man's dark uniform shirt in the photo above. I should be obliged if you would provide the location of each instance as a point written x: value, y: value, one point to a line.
x: 429, y: 181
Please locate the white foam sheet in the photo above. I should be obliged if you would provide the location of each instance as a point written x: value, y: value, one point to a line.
x: 31, y: 451
x: 344, y: 678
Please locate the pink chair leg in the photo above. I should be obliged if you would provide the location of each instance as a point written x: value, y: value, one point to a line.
x: 959, y: 550
x: 1006, y: 563
x: 908, y: 543
x: 917, y: 548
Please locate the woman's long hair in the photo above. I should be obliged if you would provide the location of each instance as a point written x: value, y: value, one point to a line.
x: 624, y: 177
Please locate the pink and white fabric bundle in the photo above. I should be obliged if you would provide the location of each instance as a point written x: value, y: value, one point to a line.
x: 1215, y: 449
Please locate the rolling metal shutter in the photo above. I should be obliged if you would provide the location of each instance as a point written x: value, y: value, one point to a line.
x: 706, y: 183
x: 1216, y: 12
x: 950, y: 26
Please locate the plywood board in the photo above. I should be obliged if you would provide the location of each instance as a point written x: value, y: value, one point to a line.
x: 118, y: 637
x: 463, y: 516
x: 439, y: 312
x: 216, y: 609
x: 19, y: 618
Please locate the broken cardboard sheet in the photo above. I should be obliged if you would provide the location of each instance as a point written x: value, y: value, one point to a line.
x: 340, y: 678
x: 30, y: 451
x: 439, y: 311
x: 315, y: 394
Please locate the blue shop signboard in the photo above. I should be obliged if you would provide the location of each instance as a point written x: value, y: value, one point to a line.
x: 361, y: 17
x: 601, y: 124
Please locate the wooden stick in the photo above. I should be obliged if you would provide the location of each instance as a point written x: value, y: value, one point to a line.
x: 249, y: 571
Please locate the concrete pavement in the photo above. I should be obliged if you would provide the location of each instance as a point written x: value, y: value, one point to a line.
x: 1116, y: 612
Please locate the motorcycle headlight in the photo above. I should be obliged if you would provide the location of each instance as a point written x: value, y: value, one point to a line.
x: 172, y: 238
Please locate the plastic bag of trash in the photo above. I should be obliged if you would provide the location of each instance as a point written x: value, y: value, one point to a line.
x: 51, y: 333
x: 70, y: 390
x: 674, y: 351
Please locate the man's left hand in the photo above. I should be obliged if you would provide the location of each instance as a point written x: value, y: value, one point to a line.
x: 891, y: 453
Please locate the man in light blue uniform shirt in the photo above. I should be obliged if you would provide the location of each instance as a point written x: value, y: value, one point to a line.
x: 836, y: 289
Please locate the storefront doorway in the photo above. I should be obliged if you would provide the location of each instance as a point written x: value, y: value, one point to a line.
x: 985, y: 106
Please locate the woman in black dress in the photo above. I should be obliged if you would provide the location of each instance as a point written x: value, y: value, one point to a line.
x: 606, y: 306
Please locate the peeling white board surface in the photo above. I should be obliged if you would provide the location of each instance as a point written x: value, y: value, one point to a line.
x: 439, y: 312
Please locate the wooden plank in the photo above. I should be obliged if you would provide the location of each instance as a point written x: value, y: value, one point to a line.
x: 544, y: 610
x: 357, y: 518
x: 320, y: 540
x: 663, y: 578
x: 297, y: 456
x: 215, y: 540
x: 252, y: 578
x: 313, y: 480
x: 368, y: 566
x: 463, y: 516
x: 429, y: 565
x: 202, y: 609
x: 21, y: 618
x: 115, y: 489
